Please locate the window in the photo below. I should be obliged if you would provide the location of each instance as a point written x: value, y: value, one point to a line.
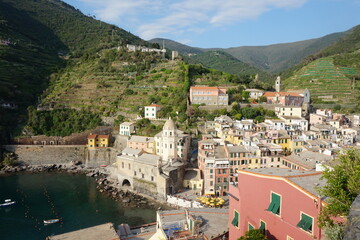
x: 211, y: 171
x: 225, y: 180
x: 262, y: 226
x: 224, y: 171
x: 152, y: 178
x: 219, y: 171
x: 219, y: 179
x: 274, y: 206
x: 305, y: 223
x: 211, y: 183
x: 250, y: 227
x: 235, y: 221
x: 122, y: 164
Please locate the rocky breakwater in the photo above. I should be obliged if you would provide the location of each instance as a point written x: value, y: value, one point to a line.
x: 74, y: 167
x: 123, y: 196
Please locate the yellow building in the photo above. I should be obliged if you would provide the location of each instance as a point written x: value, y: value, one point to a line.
x: 233, y: 139
x: 96, y: 141
x: 283, y: 139
x: 296, y: 146
x: 192, y: 180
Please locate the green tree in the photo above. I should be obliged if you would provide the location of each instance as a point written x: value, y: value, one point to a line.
x: 254, y: 234
x: 262, y: 99
x: 342, y: 187
x: 120, y: 119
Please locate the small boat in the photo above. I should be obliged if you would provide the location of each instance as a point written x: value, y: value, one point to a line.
x: 50, y: 221
x: 7, y: 202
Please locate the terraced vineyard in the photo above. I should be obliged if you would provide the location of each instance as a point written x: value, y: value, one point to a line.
x: 116, y: 90
x: 326, y: 82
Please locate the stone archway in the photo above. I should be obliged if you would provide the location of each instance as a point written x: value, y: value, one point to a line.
x: 126, y: 183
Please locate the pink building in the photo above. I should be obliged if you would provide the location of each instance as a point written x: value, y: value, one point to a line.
x: 208, y: 95
x: 284, y: 98
x: 282, y: 202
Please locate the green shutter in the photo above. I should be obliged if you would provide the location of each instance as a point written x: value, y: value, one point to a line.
x: 262, y: 225
x: 274, y: 206
x: 235, y: 221
x: 305, y: 222
x: 250, y: 227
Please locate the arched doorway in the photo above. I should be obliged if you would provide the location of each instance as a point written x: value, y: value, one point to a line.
x: 126, y: 183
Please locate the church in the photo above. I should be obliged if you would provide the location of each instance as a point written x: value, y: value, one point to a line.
x: 157, y: 174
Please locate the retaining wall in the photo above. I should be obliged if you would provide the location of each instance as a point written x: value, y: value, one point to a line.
x: 48, y: 154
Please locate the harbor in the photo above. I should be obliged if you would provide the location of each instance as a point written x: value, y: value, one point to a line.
x: 72, y: 199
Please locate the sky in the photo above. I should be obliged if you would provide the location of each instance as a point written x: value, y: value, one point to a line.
x: 226, y: 23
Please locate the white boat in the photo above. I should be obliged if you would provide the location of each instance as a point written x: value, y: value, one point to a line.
x: 7, y: 202
x: 49, y: 221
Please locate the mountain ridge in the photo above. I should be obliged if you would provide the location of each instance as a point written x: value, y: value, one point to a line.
x: 261, y: 56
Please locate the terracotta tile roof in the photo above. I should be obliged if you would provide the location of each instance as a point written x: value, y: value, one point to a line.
x: 273, y: 94
x: 205, y: 88
x: 154, y: 105
x: 104, y: 136
x: 92, y: 136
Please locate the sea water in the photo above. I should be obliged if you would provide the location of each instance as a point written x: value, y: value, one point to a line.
x: 72, y: 198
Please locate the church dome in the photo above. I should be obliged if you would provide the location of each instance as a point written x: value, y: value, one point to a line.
x: 169, y: 125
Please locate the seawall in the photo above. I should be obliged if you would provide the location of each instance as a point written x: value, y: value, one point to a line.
x: 46, y: 154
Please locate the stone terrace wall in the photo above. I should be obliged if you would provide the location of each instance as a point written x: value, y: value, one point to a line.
x: 48, y: 154
x: 101, y: 156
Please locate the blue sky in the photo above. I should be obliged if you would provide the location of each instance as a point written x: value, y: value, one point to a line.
x: 226, y: 23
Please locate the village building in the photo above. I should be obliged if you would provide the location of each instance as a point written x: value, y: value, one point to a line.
x: 147, y: 144
x: 306, y: 160
x: 127, y: 128
x: 98, y: 141
x: 288, y: 111
x: 275, y: 124
x: 172, y: 143
x: 254, y: 93
x: 200, y: 224
x: 283, y: 203
x: 157, y: 174
x: 284, y: 98
x: 192, y: 180
x: 295, y: 123
x: 151, y: 111
x: 317, y: 118
x: 208, y: 95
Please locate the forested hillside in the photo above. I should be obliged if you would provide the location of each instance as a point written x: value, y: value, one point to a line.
x: 38, y: 38
x: 227, y: 63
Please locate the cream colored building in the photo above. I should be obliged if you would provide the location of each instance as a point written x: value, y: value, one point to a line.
x: 127, y: 128
x: 172, y: 143
x: 288, y: 111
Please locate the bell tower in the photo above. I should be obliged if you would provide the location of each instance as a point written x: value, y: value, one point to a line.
x: 278, y: 84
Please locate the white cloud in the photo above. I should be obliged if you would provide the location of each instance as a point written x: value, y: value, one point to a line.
x: 174, y: 17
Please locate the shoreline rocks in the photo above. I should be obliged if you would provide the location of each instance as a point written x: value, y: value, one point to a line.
x: 104, y: 184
